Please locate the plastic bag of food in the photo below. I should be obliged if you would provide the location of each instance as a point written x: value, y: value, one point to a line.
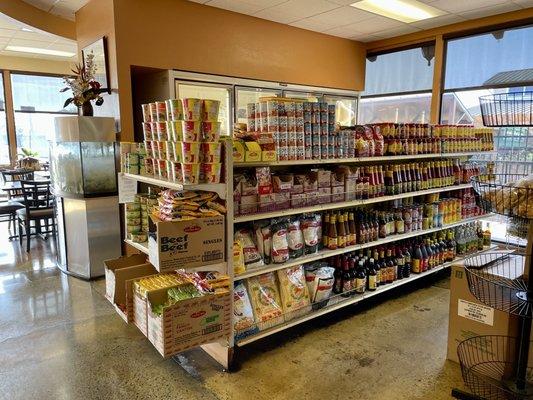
x: 311, y: 228
x: 238, y: 258
x: 320, y: 280
x: 280, y: 243
x: 294, y: 292
x: 243, y: 315
x: 295, y: 238
x: 263, y: 238
x: 379, y: 144
x: 266, y: 301
x: 252, y: 258
x: 361, y: 146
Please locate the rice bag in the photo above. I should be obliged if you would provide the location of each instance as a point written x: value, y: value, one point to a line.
x: 294, y: 292
x: 310, y: 228
x: 263, y: 239
x: 295, y: 238
x: 238, y: 258
x: 280, y: 243
x: 243, y: 315
x: 320, y: 280
x: 265, y: 298
x: 252, y: 258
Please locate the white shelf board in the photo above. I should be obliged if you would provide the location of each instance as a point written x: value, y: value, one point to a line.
x: 355, y: 159
x: 343, y: 303
x: 219, y: 188
x: 139, y: 246
x: 329, y: 253
x: 344, y: 204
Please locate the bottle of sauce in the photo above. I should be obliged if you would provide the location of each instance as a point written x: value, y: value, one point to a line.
x: 390, y: 267
x: 341, y: 234
x: 407, y: 262
x: 360, y: 278
x: 337, y: 275
x: 389, y: 181
x: 425, y: 258
x: 325, y: 230
x: 352, y: 230
x: 346, y: 279
x: 400, y: 262
x: 417, y: 260
x: 333, y: 241
x: 346, y: 228
x: 372, y: 276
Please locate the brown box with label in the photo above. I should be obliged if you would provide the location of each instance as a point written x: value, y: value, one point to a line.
x: 188, y: 323
x: 469, y: 317
x: 119, y: 275
x: 186, y: 244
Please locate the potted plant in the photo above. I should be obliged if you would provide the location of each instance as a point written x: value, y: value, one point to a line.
x: 28, y: 159
x: 84, y: 87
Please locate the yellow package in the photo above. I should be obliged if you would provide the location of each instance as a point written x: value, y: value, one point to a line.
x: 294, y: 293
x: 238, y: 259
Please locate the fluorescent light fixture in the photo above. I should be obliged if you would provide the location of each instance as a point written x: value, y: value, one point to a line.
x: 401, y: 10
x: 37, y: 50
x: 27, y: 29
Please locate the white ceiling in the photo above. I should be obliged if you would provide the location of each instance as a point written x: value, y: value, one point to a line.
x: 336, y: 17
x: 11, y: 33
x: 62, y: 8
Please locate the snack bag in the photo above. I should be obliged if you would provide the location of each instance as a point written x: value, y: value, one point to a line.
x: 243, y: 315
x: 295, y: 238
x: 294, y: 292
x: 266, y: 301
x: 252, y: 258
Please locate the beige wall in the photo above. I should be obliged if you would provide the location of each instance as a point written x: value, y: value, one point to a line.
x: 177, y: 34
x: 35, y: 65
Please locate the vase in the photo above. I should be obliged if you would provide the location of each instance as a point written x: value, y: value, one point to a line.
x: 86, y: 109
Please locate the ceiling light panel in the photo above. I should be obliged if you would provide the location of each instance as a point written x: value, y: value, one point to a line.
x: 401, y: 10
x: 37, y: 50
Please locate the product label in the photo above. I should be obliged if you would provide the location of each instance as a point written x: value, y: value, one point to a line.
x: 475, y: 312
x: 416, y: 265
x: 372, y: 282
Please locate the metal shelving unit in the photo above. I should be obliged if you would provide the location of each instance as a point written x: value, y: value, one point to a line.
x: 344, y: 204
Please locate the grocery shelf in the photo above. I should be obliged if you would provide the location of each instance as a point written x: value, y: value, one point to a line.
x: 345, y: 204
x: 354, y: 160
x: 143, y: 247
x: 329, y: 253
x: 343, y: 303
x: 219, y: 188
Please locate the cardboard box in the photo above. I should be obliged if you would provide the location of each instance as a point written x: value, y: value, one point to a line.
x: 324, y: 178
x: 337, y: 194
x: 186, y: 244
x: 267, y: 202
x: 282, y: 183
x: 268, y: 155
x: 248, y: 204
x: 282, y: 201
x: 469, y: 317
x: 298, y: 200
x: 189, y: 323
x: 120, y: 274
x: 324, y: 195
x: 238, y: 151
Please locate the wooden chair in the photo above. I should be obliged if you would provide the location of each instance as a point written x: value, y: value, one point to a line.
x: 14, y: 175
x: 38, y: 206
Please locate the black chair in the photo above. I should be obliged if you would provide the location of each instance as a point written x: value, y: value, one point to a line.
x: 14, y: 175
x: 8, y: 213
x: 38, y: 207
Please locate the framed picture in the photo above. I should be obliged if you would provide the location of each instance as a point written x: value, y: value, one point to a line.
x: 99, y: 49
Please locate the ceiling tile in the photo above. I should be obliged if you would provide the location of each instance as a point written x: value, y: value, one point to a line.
x: 236, y: 5
x: 344, y: 31
x: 45, y: 5
x: 401, y: 30
x: 30, y: 43
x: 311, y: 25
x: 264, y: 3
x: 63, y: 12
x: 492, y: 10
x: 524, y: 3
x: 375, y: 24
x: 364, y: 37
x: 7, y: 33
x: 342, y: 2
x: 37, y: 36
x: 338, y: 17
x: 200, y: 1
x: 294, y: 10
x: 438, y: 21
x: 9, y: 23
x: 274, y: 15
x: 73, y: 48
x: 459, y: 6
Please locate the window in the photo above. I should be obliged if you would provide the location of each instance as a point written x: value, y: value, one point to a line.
x: 245, y: 95
x: 499, y: 58
x: 4, y: 140
x: 209, y: 91
x: 37, y: 102
x: 398, y: 86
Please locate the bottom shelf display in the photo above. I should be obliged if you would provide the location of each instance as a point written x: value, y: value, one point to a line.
x: 267, y: 304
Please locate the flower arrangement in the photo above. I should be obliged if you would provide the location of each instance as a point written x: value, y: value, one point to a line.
x: 83, y: 86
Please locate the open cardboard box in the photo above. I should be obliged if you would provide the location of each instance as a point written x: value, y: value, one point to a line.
x: 188, y: 323
x: 186, y: 244
x: 469, y: 317
x: 119, y: 274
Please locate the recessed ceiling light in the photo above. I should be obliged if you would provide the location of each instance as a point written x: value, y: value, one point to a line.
x: 27, y: 29
x: 401, y: 10
x: 37, y: 50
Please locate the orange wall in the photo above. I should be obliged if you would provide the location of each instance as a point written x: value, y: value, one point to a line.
x: 177, y: 34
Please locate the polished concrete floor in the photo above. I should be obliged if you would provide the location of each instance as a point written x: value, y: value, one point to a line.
x: 60, y: 339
